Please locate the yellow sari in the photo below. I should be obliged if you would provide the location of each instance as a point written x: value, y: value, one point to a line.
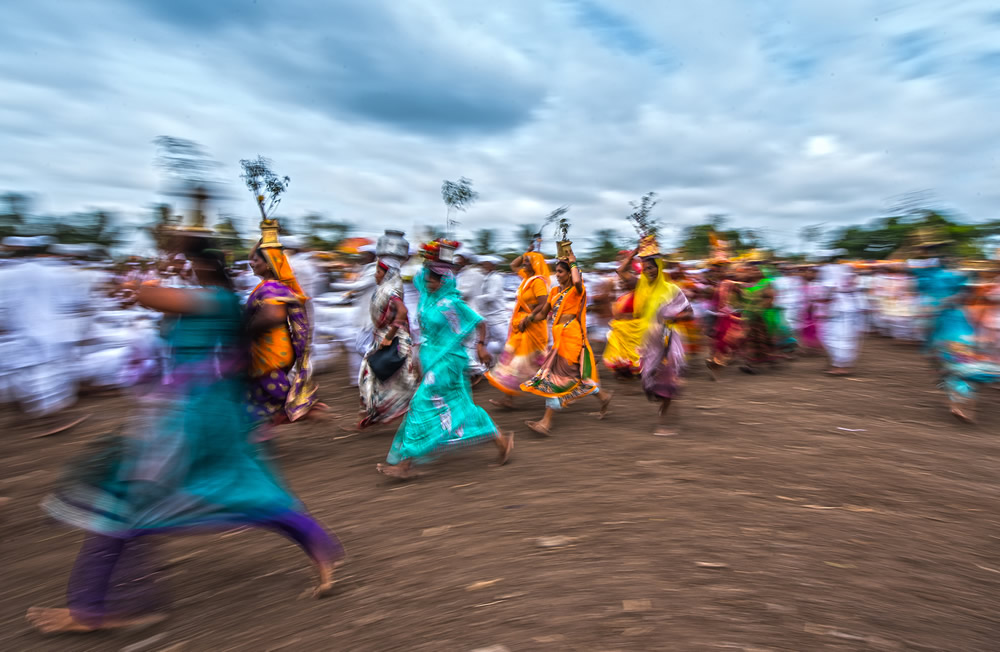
x: 622, y: 352
x: 524, y: 353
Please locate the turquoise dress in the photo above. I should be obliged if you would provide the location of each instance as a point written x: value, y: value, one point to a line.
x: 442, y: 414
x: 963, y: 362
x: 185, y: 457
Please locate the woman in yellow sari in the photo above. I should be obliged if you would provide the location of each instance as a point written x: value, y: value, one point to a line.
x: 569, y: 371
x: 621, y: 353
x: 280, y: 333
x: 527, y: 340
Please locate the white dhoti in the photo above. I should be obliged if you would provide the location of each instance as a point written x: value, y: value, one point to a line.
x: 840, y: 334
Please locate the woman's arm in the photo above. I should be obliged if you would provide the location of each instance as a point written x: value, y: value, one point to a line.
x: 574, y: 272
x: 173, y: 300
x: 401, y: 318
x: 268, y: 316
x: 484, y: 355
x: 540, y: 312
x: 624, y: 270
x: 515, y: 265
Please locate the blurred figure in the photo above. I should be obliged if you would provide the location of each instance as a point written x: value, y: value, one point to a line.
x: 357, y: 337
x: 570, y: 371
x: 491, y: 305
x: 840, y: 320
x: 966, y: 354
x: 442, y: 414
x: 43, y: 306
x: 527, y: 338
x: 469, y: 280
x: 621, y: 354
x: 728, y: 330
x: 280, y: 331
x: 386, y: 392
x: 185, y: 462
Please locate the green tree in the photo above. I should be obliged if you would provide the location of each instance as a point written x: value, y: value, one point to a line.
x: 525, y: 236
x: 457, y: 196
x: 605, y: 246
x: 14, y: 210
x: 484, y: 240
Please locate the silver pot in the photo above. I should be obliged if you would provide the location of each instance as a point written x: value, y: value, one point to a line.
x: 392, y: 243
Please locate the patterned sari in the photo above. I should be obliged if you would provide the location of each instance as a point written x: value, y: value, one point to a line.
x: 384, y: 401
x: 569, y: 371
x: 442, y: 414
x: 280, y: 371
x: 524, y: 353
x: 662, y: 350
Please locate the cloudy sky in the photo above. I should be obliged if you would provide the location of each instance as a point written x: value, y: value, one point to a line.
x: 780, y: 113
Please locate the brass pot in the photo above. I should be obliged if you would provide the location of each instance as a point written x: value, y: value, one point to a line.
x: 565, y: 248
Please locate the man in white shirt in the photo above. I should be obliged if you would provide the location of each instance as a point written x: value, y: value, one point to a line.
x: 492, y: 304
x: 469, y: 280
x: 357, y: 334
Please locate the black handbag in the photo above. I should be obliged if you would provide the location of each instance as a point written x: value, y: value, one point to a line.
x: 385, y: 362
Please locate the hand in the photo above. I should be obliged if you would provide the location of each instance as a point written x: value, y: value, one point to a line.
x: 384, y: 343
x: 571, y: 257
x: 523, y: 326
x: 484, y: 355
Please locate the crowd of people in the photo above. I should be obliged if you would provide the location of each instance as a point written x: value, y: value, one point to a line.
x: 223, y: 369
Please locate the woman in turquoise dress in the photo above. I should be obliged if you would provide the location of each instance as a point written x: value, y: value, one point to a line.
x: 184, y: 461
x: 965, y: 355
x: 442, y: 415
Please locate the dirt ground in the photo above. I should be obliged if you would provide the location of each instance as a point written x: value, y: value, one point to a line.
x: 793, y: 511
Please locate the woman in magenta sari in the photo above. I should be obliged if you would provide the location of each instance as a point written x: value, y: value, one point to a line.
x: 280, y: 331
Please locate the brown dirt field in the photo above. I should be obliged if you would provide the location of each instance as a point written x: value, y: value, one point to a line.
x: 883, y: 536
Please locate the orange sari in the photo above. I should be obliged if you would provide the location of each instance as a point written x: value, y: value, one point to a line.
x: 524, y: 353
x: 569, y: 371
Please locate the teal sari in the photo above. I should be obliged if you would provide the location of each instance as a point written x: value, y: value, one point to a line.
x: 442, y: 414
x: 185, y: 458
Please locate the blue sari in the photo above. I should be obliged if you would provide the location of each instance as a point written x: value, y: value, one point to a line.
x: 442, y: 414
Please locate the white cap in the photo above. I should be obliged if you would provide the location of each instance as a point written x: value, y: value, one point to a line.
x: 293, y: 241
x: 494, y: 260
x: 366, y: 249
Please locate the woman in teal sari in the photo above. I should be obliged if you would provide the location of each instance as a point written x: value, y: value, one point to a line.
x: 442, y: 415
x: 184, y: 462
x: 966, y: 357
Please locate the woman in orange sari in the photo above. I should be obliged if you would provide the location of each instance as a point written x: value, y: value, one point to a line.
x: 569, y: 371
x: 527, y: 340
x: 280, y: 332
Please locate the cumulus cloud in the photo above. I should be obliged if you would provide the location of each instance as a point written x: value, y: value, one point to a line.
x: 779, y: 114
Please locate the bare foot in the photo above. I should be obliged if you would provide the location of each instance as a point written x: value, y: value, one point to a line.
x: 506, y: 444
x: 959, y: 414
x: 325, y: 585
x: 507, y: 403
x: 63, y: 427
x: 663, y: 431
x: 838, y: 371
x: 397, y: 471
x: 538, y: 427
x: 59, y: 621
x: 713, y: 369
x: 605, y: 404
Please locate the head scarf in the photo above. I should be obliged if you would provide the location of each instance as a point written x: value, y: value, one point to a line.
x: 651, y: 294
x: 391, y: 286
x: 390, y: 263
x: 278, y: 263
x: 534, y: 265
x: 448, y: 289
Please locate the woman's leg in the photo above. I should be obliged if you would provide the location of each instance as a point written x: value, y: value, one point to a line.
x: 324, y: 550
x: 89, y: 591
x: 661, y: 428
